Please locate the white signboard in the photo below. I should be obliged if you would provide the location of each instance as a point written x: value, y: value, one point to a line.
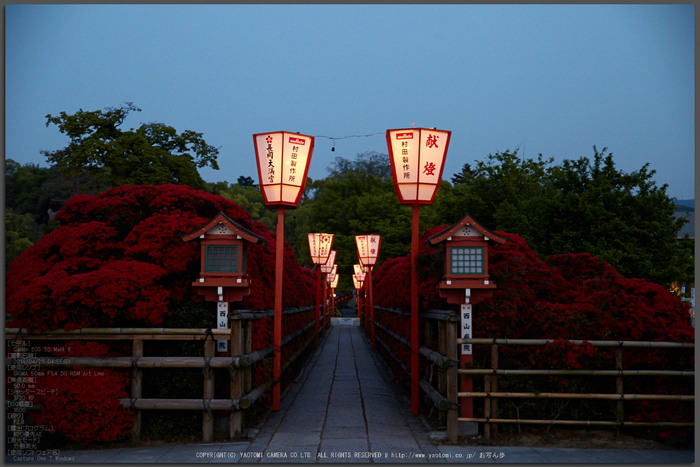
x: 466, y: 313
x: 222, y: 323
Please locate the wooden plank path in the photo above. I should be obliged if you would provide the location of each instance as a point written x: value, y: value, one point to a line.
x: 343, y: 408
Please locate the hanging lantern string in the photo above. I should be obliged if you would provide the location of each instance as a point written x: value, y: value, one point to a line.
x: 349, y: 136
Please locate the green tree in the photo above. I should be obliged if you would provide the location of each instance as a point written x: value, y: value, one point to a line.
x: 358, y: 198
x: 153, y: 154
x: 585, y: 205
x: 21, y: 232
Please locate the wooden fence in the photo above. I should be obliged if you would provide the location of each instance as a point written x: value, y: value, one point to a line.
x: 239, y: 364
x: 442, y: 325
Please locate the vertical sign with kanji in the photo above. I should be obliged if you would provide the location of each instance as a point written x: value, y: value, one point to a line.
x: 466, y: 324
x: 405, y: 146
x: 222, y: 323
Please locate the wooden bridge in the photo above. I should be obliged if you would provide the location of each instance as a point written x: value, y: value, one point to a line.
x: 341, y: 393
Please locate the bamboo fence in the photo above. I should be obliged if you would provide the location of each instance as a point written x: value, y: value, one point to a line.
x: 240, y: 363
x: 441, y: 325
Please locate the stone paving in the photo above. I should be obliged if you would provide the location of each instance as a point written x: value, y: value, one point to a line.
x: 344, y: 408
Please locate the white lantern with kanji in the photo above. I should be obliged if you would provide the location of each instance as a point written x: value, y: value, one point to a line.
x: 327, y: 267
x: 283, y: 164
x: 417, y: 158
x: 368, y: 248
x: 320, y: 245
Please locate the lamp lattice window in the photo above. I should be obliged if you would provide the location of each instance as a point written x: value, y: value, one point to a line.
x: 221, y: 258
x: 467, y: 260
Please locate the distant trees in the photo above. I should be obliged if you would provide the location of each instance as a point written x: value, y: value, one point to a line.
x: 586, y: 205
x: 153, y: 154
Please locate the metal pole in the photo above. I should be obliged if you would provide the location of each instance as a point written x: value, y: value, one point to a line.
x: 414, y: 312
x: 277, y: 337
x: 318, y: 300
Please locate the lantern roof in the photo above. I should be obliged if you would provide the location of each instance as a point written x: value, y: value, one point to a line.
x: 234, y: 228
x: 463, y: 228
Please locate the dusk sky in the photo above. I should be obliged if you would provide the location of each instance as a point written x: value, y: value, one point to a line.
x: 549, y: 79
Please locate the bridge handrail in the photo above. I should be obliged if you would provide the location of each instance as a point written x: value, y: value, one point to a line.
x: 239, y: 335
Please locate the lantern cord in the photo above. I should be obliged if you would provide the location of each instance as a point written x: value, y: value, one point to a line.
x: 349, y: 136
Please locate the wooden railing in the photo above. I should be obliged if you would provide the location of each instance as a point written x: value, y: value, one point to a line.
x: 442, y: 326
x: 491, y: 394
x: 240, y: 363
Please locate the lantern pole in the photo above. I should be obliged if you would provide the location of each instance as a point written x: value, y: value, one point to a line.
x: 277, y: 337
x: 371, y: 309
x: 318, y: 301
x: 325, y: 302
x: 414, y: 310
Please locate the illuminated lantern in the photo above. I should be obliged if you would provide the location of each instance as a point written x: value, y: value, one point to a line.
x: 283, y: 164
x: 320, y: 245
x: 327, y: 268
x: 368, y: 248
x: 368, y: 252
x: 417, y: 158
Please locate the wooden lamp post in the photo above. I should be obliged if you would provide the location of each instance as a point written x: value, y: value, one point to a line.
x: 283, y: 164
x: 320, y: 245
x: 466, y: 281
x: 368, y: 252
x: 417, y: 158
x: 327, y: 268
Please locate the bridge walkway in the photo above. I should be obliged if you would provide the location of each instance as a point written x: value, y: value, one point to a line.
x: 343, y: 407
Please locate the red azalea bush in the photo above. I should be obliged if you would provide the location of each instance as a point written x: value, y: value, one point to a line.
x: 83, y: 403
x: 565, y: 297
x: 118, y: 260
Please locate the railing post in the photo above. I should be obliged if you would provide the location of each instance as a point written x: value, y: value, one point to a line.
x: 248, y: 348
x: 619, y: 415
x: 208, y: 416
x: 451, y: 328
x: 494, y: 388
x: 136, y: 389
x: 442, y: 375
x: 236, y: 381
x: 487, y: 406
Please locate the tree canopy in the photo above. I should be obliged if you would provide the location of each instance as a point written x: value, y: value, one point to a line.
x: 153, y: 154
x: 578, y: 206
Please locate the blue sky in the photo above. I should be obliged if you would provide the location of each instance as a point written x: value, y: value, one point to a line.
x: 549, y: 79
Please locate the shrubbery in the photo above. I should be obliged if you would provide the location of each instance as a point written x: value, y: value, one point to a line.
x: 565, y: 297
x: 118, y: 260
